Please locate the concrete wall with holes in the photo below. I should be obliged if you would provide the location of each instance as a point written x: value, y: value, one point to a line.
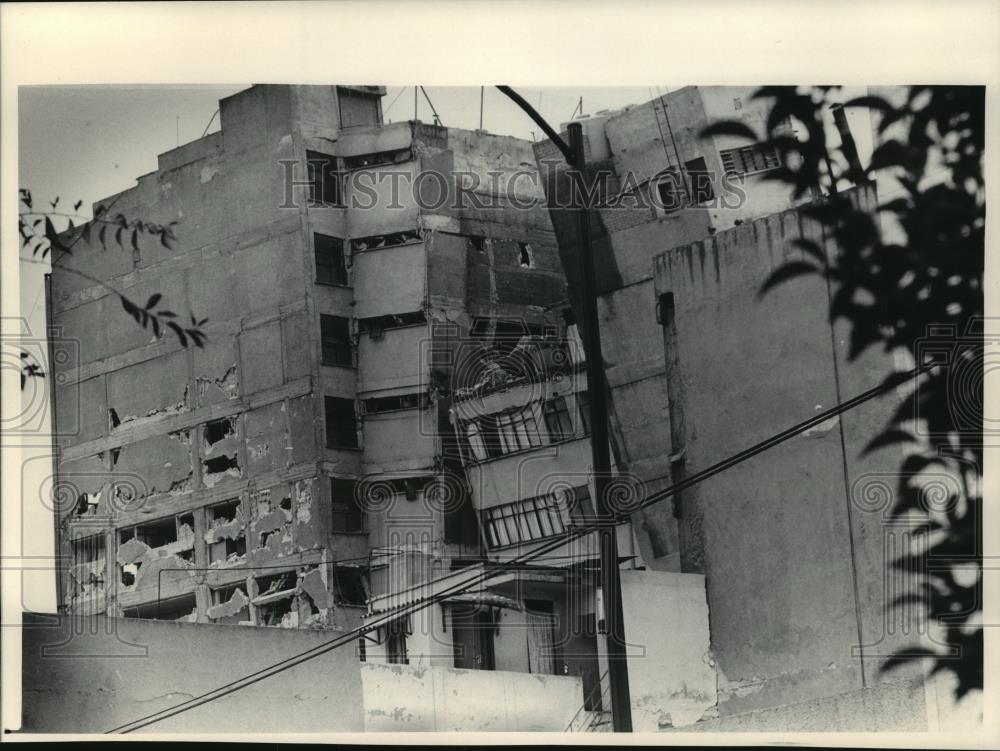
x: 92, y: 675
x: 150, y: 432
x: 795, y: 553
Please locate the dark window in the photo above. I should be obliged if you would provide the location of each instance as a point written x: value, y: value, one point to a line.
x: 394, y: 156
x: 375, y: 326
x: 391, y: 240
x: 750, y: 159
x: 341, y: 423
x: 324, y: 180
x: 395, y: 642
x: 701, y: 181
x: 473, y: 630
x: 348, y: 516
x: 557, y: 419
x: 330, y: 265
x: 335, y: 333
x: 393, y: 403
x: 670, y: 190
x: 349, y: 586
x: 523, y: 521
x: 583, y: 406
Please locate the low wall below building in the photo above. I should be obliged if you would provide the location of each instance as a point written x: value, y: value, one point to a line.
x: 407, y: 698
x: 93, y: 674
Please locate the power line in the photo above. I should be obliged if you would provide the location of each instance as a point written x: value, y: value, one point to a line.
x: 573, y: 535
x: 394, y: 100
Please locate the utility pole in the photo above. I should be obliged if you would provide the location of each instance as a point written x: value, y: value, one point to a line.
x: 621, y: 704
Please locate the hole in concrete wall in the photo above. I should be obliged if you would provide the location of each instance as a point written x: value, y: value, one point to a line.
x: 218, y: 464
x: 113, y: 419
x: 233, y: 545
x: 276, y: 600
x: 526, y: 259
x: 264, y: 537
x: 86, y: 504
x: 157, y: 533
x: 478, y: 242
x: 217, y: 430
x: 225, y: 595
x: 129, y: 573
x: 173, y: 609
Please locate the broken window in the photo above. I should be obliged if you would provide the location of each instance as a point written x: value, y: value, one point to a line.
x: 526, y: 259
x: 701, y: 181
x: 376, y: 325
x: 389, y: 240
x: 226, y: 536
x: 349, y: 586
x: 503, y: 335
x: 523, y: 521
x: 393, y: 403
x: 348, y: 516
x: 750, y: 159
x: 331, y: 268
x: 275, y: 600
x: 341, y: 423
x: 182, y: 608
x: 229, y: 605
x: 221, y: 452
x: 335, y: 335
x: 392, y: 156
x: 157, y: 533
x: 88, y: 564
x: 478, y: 242
x: 324, y: 179
x: 86, y: 504
x: 557, y: 419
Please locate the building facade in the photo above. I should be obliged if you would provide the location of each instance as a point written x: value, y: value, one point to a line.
x: 796, y: 556
x: 391, y: 407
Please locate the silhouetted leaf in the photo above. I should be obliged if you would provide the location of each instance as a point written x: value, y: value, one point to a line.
x: 785, y: 272
x: 729, y: 128
x: 153, y: 300
x: 888, y: 438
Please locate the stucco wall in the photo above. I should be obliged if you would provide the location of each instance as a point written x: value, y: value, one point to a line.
x: 795, y: 564
x: 406, y: 698
x: 92, y: 675
x: 670, y: 667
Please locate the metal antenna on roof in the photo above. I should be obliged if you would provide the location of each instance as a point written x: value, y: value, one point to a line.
x: 437, y: 120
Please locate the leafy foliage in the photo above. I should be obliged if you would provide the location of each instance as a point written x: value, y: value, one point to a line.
x: 920, y: 293
x: 40, y: 237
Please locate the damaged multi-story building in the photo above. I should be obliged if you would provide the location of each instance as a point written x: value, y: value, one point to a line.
x: 391, y: 402
x: 220, y: 484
